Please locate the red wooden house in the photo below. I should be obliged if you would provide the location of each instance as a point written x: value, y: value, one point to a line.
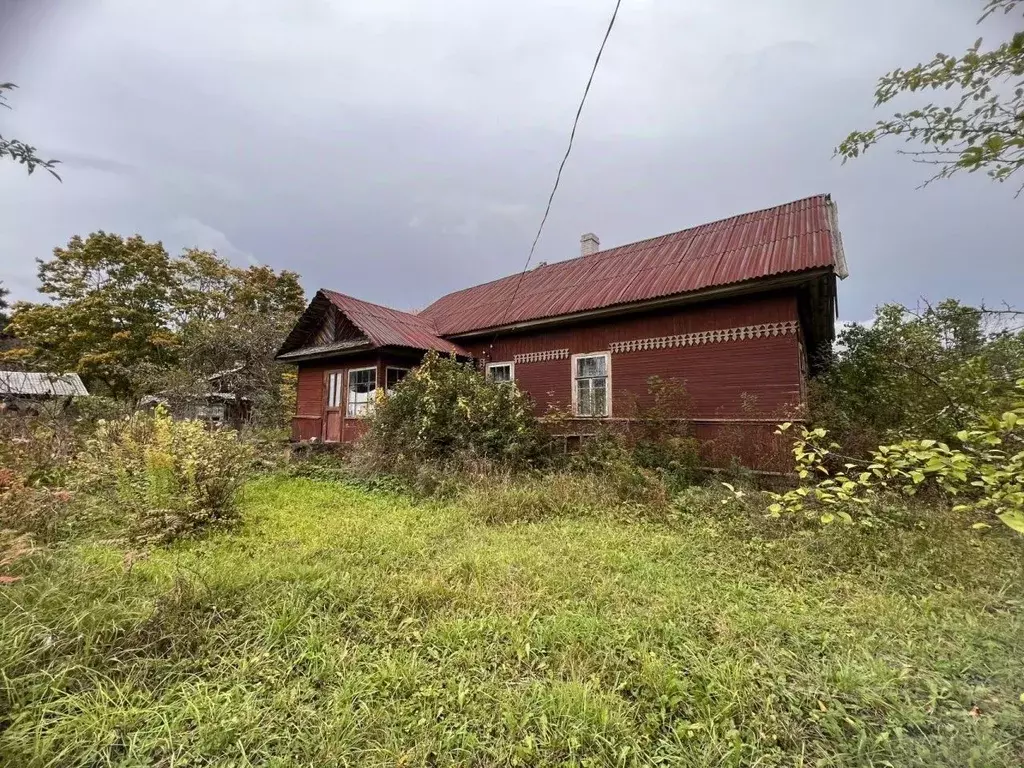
x: 734, y: 308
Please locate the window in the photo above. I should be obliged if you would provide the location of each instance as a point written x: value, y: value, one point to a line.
x: 591, y: 383
x: 334, y: 390
x: 362, y: 391
x: 211, y: 413
x: 392, y: 376
x: 500, y: 372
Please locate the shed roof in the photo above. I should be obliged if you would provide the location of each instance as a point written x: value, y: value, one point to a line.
x: 41, y: 384
x: 799, y: 236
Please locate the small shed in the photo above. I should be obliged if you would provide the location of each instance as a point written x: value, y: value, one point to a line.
x: 23, y: 390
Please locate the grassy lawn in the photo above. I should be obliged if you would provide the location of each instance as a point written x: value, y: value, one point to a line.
x: 339, y: 627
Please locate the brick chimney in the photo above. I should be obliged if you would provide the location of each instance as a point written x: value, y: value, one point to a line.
x: 589, y: 244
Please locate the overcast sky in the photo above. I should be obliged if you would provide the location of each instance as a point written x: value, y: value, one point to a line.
x: 400, y: 149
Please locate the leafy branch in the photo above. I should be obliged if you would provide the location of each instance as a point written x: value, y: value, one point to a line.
x: 19, y: 151
x: 981, y: 130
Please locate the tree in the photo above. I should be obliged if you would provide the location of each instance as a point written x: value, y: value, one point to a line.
x: 983, y: 129
x: 19, y: 151
x: 4, y: 317
x: 127, y: 316
x: 232, y: 321
x: 917, y: 373
x: 108, y: 316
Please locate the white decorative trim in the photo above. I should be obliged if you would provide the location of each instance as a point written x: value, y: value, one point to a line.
x: 540, y: 357
x: 760, y: 331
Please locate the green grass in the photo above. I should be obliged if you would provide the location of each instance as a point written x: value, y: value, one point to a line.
x: 339, y: 627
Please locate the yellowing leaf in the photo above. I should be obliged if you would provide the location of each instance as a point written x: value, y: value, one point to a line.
x: 1013, y: 519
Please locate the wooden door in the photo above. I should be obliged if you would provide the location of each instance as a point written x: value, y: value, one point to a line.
x: 334, y: 405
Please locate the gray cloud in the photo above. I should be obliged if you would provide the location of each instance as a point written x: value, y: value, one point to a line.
x: 397, y: 150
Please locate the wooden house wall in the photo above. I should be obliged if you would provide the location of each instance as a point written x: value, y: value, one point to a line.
x: 739, y: 382
x: 743, y: 377
x: 311, y: 391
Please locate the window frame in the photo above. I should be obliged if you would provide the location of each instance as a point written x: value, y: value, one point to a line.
x: 573, y: 378
x: 348, y: 392
x: 393, y: 368
x: 510, y: 364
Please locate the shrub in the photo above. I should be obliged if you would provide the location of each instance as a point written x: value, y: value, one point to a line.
x: 659, y: 434
x: 984, y: 468
x: 916, y: 374
x: 446, y: 413
x: 32, y: 509
x: 38, y: 446
x: 166, y: 479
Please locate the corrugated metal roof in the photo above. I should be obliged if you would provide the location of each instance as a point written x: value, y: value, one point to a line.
x: 41, y: 384
x: 388, y: 327
x: 795, y: 237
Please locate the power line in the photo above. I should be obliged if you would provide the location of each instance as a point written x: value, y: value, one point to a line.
x: 561, y: 166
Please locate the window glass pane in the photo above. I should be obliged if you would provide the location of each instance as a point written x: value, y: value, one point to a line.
x: 591, y: 376
x: 334, y: 390
x: 590, y: 366
x: 599, y: 400
x: 584, y: 406
x: 394, y: 375
x: 361, y: 387
x: 500, y: 373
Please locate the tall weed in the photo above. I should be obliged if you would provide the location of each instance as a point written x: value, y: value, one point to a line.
x: 167, y: 479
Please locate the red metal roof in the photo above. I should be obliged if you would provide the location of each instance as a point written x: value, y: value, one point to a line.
x: 387, y: 327
x: 795, y: 237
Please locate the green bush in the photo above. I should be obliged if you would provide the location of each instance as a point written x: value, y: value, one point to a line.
x: 446, y: 413
x: 983, y: 469
x: 915, y: 374
x: 165, y: 479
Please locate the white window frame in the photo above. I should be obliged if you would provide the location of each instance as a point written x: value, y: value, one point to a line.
x: 511, y: 370
x: 608, y: 384
x: 348, y: 393
x: 393, y: 368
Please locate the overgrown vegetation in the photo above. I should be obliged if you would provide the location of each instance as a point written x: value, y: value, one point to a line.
x: 465, y: 590
x: 167, y: 479
x: 917, y: 402
x: 142, y: 478
x: 341, y: 627
x: 925, y: 373
x: 447, y: 417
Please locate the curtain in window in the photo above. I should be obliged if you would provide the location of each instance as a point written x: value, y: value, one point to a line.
x: 362, y: 386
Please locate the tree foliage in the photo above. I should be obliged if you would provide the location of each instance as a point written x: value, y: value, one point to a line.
x: 132, y: 319
x: 107, y: 318
x: 920, y: 373
x: 983, y: 465
x: 4, y: 306
x: 982, y: 128
x: 19, y: 151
